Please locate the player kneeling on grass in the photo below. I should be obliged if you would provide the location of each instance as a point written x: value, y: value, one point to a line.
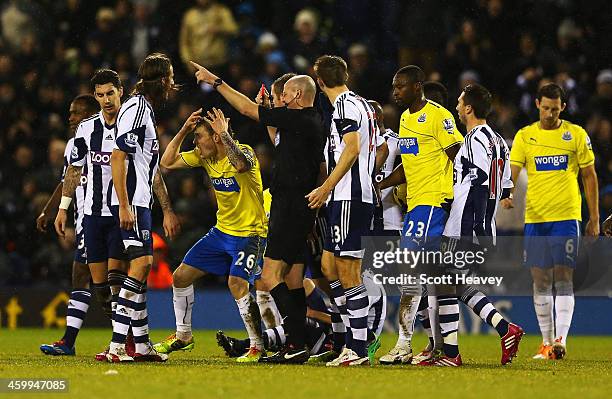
x: 235, y: 245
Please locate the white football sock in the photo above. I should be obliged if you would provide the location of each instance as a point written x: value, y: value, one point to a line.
x: 564, y: 308
x: 408, y: 307
x: 183, y: 299
x: 251, y: 322
x: 543, y: 303
x: 270, y: 315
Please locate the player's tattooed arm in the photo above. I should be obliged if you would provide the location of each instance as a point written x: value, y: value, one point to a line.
x: 161, y: 192
x: 171, y: 223
x: 242, y: 160
x: 71, y: 180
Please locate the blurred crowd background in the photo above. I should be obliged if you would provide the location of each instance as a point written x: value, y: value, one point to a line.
x: 50, y: 48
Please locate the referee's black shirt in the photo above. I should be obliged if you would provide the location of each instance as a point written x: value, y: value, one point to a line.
x: 300, y: 150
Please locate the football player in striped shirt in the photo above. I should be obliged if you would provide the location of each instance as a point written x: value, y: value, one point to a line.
x: 470, y: 296
x: 94, y: 142
x: 348, y: 191
x: 81, y: 108
x: 134, y: 164
x: 554, y: 151
x: 482, y: 179
x: 236, y: 244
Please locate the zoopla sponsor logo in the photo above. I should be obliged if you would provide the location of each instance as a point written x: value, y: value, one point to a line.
x: 100, y: 158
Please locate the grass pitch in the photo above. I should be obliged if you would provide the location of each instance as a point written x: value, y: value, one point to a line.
x: 207, y: 373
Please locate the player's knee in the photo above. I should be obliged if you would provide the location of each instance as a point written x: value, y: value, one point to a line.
x: 542, y: 286
x: 80, y: 275
x: 238, y: 287
x: 564, y: 274
x: 270, y: 276
x: 564, y: 288
x: 181, y: 278
x: 329, y: 271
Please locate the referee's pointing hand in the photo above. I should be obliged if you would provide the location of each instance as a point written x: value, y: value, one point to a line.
x: 203, y: 75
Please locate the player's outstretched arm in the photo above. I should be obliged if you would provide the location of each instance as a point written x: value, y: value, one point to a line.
x: 241, y: 160
x: 43, y: 219
x: 171, y: 159
x: 237, y: 100
x: 71, y: 181
x: 318, y: 196
x: 591, y: 193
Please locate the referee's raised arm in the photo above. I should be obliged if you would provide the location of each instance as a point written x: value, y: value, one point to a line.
x: 236, y: 99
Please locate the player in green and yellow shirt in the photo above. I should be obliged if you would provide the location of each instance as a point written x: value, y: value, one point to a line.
x: 235, y: 245
x: 554, y: 152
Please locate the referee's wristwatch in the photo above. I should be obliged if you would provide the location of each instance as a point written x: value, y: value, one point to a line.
x: 218, y: 82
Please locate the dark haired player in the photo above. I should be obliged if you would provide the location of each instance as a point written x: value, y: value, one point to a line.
x: 554, y: 151
x: 429, y: 141
x: 94, y: 142
x: 350, y: 154
x: 81, y: 107
x: 482, y: 179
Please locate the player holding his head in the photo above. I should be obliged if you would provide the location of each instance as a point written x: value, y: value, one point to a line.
x: 482, y: 179
x: 134, y: 165
x: 235, y: 245
x: 429, y: 141
x: 554, y: 151
x: 348, y: 191
x: 82, y: 107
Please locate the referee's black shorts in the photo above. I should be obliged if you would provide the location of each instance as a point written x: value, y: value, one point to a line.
x: 290, y: 222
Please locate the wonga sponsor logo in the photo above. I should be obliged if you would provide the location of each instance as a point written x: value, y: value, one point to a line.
x: 100, y: 158
x: 409, y: 145
x: 228, y: 184
x: 551, y: 162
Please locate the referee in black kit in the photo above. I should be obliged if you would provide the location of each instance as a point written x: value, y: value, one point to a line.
x: 298, y: 154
